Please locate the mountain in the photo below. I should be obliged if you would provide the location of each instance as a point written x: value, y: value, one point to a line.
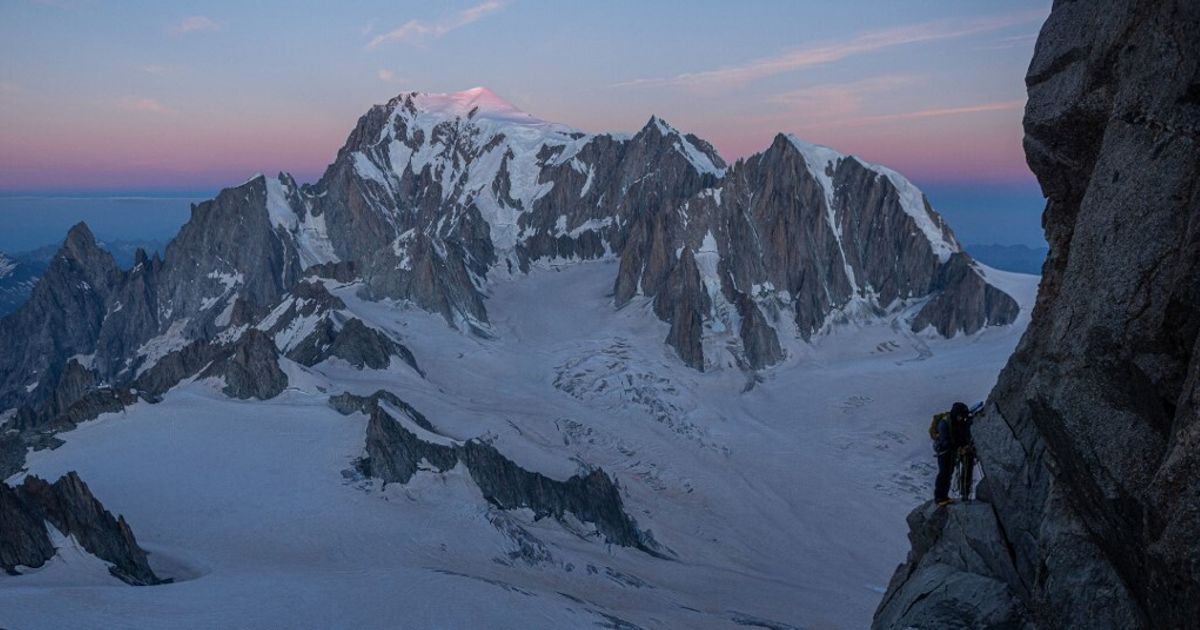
x: 17, y: 277
x: 20, y: 271
x: 571, y: 355
x: 1018, y: 258
x: 434, y: 196
x: 1089, y: 439
x: 124, y: 251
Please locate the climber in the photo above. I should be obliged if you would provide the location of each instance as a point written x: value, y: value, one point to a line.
x: 951, y: 434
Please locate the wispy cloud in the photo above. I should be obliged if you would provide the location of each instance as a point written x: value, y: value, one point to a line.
x: 387, y: 76
x: 158, y: 69
x: 862, y: 121
x: 823, y: 54
x: 144, y: 105
x: 943, y: 111
x: 838, y: 99
x: 417, y: 31
x: 195, y: 24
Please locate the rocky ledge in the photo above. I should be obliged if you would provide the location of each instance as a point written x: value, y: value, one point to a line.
x: 950, y: 579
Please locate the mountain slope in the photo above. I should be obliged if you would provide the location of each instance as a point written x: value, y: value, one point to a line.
x: 774, y: 505
x: 17, y: 277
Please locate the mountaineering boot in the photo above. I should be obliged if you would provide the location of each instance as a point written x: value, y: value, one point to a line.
x: 945, y: 502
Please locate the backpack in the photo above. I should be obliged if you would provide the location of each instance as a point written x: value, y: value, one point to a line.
x: 933, y: 425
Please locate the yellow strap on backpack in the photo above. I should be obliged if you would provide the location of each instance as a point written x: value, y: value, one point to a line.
x: 933, y: 425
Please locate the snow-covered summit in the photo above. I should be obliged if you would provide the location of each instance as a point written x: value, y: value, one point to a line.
x: 475, y: 102
x: 702, y: 156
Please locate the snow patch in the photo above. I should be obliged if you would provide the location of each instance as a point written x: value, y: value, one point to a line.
x: 309, y: 232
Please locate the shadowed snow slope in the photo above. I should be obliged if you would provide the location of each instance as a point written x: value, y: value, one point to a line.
x: 777, y: 497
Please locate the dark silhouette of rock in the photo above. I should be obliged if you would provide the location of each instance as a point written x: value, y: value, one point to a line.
x: 69, y: 506
x: 592, y: 498
x: 348, y: 403
x: 356, y: 343
x: 1091, y: 438
x: 12, y: 454
x: 395, y: 453
x: 23, y: 537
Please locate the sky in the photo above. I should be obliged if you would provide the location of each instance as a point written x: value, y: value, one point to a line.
x: 180, y: 99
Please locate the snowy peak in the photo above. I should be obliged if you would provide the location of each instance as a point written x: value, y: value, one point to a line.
x: 823, y: 162
x: 700, y: 154
x: 661, y: 126
x: 478, y: 103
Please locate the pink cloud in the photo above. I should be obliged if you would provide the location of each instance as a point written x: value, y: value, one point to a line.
x: 195, y: 24
x: 731, y: 77
x: 838, y: 99
x: 148, y: 105
x: 417, y: 31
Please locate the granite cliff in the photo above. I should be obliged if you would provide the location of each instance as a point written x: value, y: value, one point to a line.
x: 1090, y: 440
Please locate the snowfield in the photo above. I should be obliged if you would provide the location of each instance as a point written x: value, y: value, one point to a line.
x: 779, y: 499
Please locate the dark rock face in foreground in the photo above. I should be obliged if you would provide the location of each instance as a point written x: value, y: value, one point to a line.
x: 1091, y: 439
x: 949, y: 580
x: 70, y: 507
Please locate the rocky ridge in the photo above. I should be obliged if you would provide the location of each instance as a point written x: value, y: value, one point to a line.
x: 27, y: 510
x: 1089, y: 439
x: 395, y: 452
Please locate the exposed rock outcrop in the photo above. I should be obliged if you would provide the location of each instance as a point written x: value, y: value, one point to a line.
x: 949, y: 580
x: 69, y: 506
x: 250, y: 367
x: 348, y: 403
x: 23, y: 537
x: 394, y: 453
x: 354, y: 342
x: 1091, y: 438
x: 965, y: 302
x: 12, y: 454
